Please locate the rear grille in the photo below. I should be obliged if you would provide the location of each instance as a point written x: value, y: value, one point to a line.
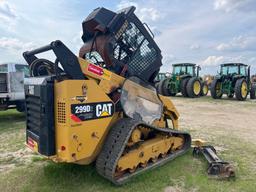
x: 61, y: 112
x: 39, y: 96
x: 33, y: 113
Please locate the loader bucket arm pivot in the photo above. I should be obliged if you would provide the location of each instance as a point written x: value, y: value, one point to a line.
x: 64, y: 56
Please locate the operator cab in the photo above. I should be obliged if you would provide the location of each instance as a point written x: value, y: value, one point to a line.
x: 185, y: 69
x: 120, y: 42
x: 234, y: 69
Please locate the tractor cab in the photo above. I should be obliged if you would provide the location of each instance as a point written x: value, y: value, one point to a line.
x: 121, y: 43
x: 235, y: 70
x: 186, y: 69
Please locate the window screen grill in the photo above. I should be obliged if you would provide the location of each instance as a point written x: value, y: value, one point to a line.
x: 133, y: 48
x: 143, y: 58
x: 119, y: 53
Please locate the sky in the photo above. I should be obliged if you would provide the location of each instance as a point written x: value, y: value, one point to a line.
x: 207, y: 33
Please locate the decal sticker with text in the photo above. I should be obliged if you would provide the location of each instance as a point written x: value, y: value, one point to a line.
x: 89, y: 111
x: 103, y: 73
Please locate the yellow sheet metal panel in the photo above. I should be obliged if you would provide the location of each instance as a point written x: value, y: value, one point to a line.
x: 170, y: 110
x: 108, y: 81
x: 83, y: 114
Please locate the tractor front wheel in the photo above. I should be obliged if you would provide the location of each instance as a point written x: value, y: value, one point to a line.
x: 241, y: 89
x: 204, y: 90
x: 194, y: 87
x: 216, y: 91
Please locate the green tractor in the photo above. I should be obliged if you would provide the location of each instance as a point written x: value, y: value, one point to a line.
x: 184, y: 79
x: 160, y: 76
x: 233, y: 79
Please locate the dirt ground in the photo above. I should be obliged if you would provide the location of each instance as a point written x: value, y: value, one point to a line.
x: 231, y: 118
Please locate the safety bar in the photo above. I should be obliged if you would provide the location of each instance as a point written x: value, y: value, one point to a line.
x: 152, y: 34
x: 66, y: 58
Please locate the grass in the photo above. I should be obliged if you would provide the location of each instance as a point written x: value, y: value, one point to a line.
x: 183, y: 174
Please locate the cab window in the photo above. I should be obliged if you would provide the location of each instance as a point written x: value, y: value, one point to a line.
x: 190, y: 70
x: 233, y: 70
x: 242, y: 70
x: 3, y: 68
x: 179, y: 70
x: 22, y: 68
x: 225, y: 70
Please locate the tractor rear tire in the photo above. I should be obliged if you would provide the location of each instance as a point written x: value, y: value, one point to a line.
x: 168, y: 91
x: 159, y: 87
x: 241, y: 89
x: 216, y: 92
x: 253, y: 92
x: 204, y: 89
x: 163, y: 90
x: 183, y: 87
x: 194, y: 87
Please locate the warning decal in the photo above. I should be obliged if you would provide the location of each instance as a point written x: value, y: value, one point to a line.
x: 103, y: 73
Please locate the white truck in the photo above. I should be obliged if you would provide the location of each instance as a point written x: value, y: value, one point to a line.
x: 12, y: 78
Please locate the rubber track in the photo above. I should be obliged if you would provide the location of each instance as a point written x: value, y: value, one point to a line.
x: 116, y: 142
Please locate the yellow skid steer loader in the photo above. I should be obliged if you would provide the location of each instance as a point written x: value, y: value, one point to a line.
x: 101, y: 106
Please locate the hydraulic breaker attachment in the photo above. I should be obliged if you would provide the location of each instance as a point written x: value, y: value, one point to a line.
x: 217, y: 167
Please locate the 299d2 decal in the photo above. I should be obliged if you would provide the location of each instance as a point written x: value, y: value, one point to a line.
x: 89, y: 111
